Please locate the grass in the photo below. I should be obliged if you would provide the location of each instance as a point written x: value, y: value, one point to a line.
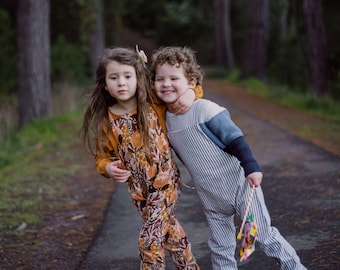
x: 37, y: 163
x: 33, y: 171
x: 66, y: 96
x: 321, y: 106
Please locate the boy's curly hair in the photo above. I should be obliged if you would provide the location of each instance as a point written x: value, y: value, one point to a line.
x: 179, y: 56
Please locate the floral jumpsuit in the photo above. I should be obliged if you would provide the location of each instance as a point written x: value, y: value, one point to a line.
x: 154, y: 188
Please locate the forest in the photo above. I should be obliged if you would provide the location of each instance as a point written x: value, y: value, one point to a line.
x: 50, y: 47
x: 52, y: 206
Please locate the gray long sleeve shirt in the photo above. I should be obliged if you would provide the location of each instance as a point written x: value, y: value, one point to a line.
x: 212, y: 148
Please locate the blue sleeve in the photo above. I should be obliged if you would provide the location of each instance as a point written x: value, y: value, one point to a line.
x: 240, y: 149
x: 226, y: 135
x: 221, y: 129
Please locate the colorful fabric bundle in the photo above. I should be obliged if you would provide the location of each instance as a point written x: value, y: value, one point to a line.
x: 250, y: 231
x: 248, y: 242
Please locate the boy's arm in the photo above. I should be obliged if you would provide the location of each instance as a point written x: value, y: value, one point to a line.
x: 184, y: 102
x: 240, y: 149
x: 226, y: 135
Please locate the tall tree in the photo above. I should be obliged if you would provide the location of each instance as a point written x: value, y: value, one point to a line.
x: 97, y: 36
x: 255, y: 47
x: 283, y: 19
x: 33, y: 46
x: 224, y: 56
x: 317, y: 47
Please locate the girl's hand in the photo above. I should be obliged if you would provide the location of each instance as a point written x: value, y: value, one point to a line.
x: 255, y: 179
x: 116, y: 172
x: 183, y: 103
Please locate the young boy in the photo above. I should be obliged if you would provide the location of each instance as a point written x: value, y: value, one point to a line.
x: 219, y: 160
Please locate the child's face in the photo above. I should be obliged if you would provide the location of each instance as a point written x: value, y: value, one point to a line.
x: 170, y: 82
x: 121, y: 81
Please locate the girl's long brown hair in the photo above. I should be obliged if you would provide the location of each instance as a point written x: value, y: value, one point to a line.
x: 96, y: 114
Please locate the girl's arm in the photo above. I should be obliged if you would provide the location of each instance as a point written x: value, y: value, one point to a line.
x: 115, y: 170
x: 102, y: 159
x: 110, y: 168
x: 107, y: 164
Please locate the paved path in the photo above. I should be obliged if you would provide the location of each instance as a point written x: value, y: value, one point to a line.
x: 301, y: 186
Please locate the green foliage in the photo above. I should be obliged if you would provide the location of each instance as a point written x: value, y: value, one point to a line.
x: 324, y: 107
x: 238, y: 16
x: 32, y: 169
x: 66, y: 20
x: 7, y: 55
x: 164, y: 22
x: 318, y: 105
x: 220, y: 73
x: 335, y: 87
x: 290, y: 68
x: 287, y: 49
x: 179, y: 13
x: 332, y: 22
x: 184, y: 24
x: 141, y: 15
x: 113, y: 20
x: 35, y: 136
x: 68, y: 61
x: 254, y: 85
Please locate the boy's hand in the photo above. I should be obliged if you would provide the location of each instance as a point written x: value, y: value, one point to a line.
x: 117, y: 172
x: 183, y: 103
x: 255, y: 179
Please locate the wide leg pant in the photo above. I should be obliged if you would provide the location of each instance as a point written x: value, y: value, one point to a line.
x: 162, y: 231
x: 223, y: 233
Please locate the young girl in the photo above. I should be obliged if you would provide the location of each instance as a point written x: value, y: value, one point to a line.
x: 131, y: 145
x: 219, y: 160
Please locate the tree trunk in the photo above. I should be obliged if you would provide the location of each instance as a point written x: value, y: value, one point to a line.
x: 97, y: 36
x: 317, y: 47
x: 284, y: 20
x: 223, y: 52
x: 255, y: 48
x: 34, y: 83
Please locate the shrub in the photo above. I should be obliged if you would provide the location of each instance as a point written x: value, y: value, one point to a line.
x: 68, y: 61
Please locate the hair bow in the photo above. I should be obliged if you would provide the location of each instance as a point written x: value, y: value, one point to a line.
x: 142, y: 56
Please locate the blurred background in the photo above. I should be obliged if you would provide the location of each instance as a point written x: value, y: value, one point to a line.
x: 286, y: 51
x: 49, y: 48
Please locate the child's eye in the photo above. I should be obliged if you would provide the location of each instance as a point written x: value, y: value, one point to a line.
x: 158, y: 79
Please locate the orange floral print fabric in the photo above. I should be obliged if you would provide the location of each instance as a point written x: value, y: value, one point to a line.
x: 154, y: 188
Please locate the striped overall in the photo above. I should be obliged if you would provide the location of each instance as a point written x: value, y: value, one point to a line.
x: 200, y: 138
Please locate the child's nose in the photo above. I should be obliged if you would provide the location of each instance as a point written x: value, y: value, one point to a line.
x: 121, y: 81
x: 166, y: 83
